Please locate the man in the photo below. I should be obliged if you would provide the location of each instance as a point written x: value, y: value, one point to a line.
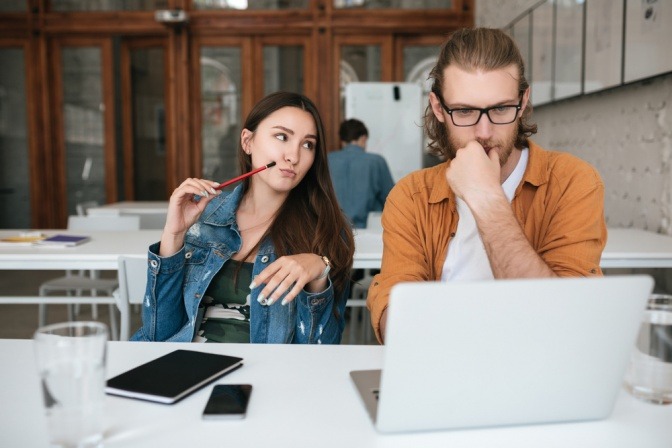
x: 362, y: 180
x: 500, y: 206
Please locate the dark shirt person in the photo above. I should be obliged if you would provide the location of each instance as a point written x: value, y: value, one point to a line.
x: 361, y: 180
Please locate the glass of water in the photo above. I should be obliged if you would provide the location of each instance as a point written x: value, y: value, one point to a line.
x: 649, y: 375
x: 71, y: 363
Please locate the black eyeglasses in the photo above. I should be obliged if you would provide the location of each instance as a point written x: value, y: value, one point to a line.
x: 464, y: 117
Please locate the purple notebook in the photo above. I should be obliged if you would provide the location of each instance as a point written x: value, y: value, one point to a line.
x: 64, y: 240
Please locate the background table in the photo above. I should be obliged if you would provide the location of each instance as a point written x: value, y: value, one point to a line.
x: 302, y: 397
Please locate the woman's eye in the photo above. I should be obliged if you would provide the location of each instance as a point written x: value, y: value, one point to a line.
x: 309, y: 145
x: 281, y: 137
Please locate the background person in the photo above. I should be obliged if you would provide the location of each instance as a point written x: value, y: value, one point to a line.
x: 362, y: 180
x: 500, y: 206
x: 275, y: 232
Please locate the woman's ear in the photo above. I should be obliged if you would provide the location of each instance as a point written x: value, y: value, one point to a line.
x: 246, y: 140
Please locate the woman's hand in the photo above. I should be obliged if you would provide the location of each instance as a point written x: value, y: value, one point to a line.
x: 290, y: 273
x: 184, y: 210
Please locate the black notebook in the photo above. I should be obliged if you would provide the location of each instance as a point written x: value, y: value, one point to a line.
x: 171, y: 377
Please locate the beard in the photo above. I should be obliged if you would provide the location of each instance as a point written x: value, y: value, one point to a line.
x: 506, y: 144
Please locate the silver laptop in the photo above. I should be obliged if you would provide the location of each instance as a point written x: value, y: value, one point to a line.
x: 506, y: 352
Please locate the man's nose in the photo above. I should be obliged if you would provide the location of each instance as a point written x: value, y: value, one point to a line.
x: 484, y: 128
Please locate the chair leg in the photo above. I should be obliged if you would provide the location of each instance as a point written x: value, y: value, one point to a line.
x: 42, y: 315
x: 114, y: 333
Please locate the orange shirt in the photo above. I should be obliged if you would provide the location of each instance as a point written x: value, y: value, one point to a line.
x: 559, y: 205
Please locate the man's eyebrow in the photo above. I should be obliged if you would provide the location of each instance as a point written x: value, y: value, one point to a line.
x: 469, y: 106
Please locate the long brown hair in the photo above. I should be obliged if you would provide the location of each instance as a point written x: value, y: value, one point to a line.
x: 310, y: 220
x: 476, y: 49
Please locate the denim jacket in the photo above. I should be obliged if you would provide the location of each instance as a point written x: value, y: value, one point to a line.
x: 176, y: 285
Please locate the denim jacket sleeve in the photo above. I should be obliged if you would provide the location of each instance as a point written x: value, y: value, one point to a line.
x: 165, y: 314
x: 316, y: 322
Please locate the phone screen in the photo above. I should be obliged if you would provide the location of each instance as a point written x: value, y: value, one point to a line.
x: 228, y: 401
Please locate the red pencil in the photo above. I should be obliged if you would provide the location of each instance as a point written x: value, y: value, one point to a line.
x: 243, y: 176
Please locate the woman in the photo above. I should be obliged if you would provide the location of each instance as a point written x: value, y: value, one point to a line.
x: 281, y: 232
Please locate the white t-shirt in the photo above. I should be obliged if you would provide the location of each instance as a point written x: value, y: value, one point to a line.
x: 467, y: 259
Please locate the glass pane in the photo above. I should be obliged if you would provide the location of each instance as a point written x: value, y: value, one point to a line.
x: 149, y: 129
x: 14, y: 175
x: 359, y: 63
x: 221, y: 88
x: 542, y: 53
x: 604, y: 34
x: 108, y: 5
x: 568, y: 49
x: 250, y: 4
x: 394, y: 4
x: 14, y: 6
x: 520, y: 32
x: 84, y: 132
x: 283, y: 68
x: 418, y: 62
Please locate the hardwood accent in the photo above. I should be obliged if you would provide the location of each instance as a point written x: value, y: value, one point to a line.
x: 320, y: 29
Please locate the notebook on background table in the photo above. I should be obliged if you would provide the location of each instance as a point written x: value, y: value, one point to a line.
x: 506, y: 352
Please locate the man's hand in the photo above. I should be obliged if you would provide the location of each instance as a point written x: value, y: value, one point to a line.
x: 473, y: 173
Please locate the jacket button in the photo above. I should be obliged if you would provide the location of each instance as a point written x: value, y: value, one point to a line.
x: 154, y: 263
x: 187, y: 255
x: 314, y: 301
x: 264, y: 259
x: 263, y: 301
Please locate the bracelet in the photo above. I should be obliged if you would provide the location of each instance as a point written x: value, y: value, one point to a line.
x: 326, y: 269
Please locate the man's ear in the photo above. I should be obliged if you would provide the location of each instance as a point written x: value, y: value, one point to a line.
x: 436, y: 107
x: 525, y: 102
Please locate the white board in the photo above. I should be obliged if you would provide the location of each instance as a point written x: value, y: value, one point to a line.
x: 392, y: 112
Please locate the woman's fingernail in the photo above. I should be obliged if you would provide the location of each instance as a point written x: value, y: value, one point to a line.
x: 284, y: 301
x: 260, y: 299
x: 253, y: 285
x: 213, y: 191
x: 270, y: 301
x: 204, y: 193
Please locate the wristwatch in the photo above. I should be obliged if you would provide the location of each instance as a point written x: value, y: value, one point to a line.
x: 327, y: 268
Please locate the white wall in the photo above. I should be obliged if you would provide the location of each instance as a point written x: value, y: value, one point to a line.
x: 626, y: 133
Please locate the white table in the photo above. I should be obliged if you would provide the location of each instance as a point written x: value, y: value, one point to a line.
x: 100, y: 253
x: 302, y: 397
x: 635, y: 248
x: 132, y: 207
x: 626, y: 248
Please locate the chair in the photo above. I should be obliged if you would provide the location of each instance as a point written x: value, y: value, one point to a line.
x: 359, y: 314
x: 132, y: 282
x: 78, y: 282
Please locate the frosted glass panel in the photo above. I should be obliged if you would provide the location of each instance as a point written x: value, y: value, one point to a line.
x: 14, y: 175
x: 250, y: 4
x: 394, y: 4
x: 221, y: 87
x: 108, y: 5
x: 283, y: 69
x: 84, y: 132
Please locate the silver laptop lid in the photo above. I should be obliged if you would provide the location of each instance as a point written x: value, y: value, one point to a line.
x: 507, y: 352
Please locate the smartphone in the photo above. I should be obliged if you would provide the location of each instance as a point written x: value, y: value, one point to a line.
x: 228, y: 401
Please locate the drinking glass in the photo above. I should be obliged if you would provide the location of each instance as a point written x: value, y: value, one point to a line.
x: 71, y: 363
x: 649, y: 375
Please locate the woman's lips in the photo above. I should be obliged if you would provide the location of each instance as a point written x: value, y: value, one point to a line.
x: 287, y: 173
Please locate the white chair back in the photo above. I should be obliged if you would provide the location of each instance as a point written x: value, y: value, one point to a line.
x: 132, y: 282
x: 104, y: 223
x: 373, y: 221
